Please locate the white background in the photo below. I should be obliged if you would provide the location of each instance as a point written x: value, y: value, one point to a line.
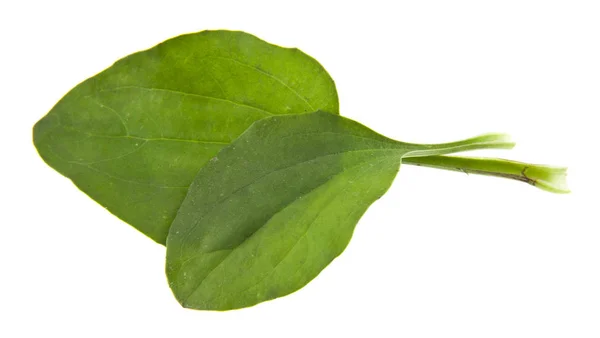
x: 443, y: 254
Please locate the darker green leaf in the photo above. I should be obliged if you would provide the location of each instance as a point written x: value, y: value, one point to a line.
x: 275, y: 207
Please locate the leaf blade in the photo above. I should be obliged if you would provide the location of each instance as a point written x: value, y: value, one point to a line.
x: 274, y: 179
x: 143, y: 127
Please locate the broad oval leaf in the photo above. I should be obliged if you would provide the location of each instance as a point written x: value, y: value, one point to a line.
x: 275, y: 207
x: 134, y: 136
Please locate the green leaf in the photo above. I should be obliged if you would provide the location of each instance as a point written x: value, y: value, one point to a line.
x: 134, y: 136
x: 275, y: 207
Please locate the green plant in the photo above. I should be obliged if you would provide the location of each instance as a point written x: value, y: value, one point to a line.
x: 230, y: 150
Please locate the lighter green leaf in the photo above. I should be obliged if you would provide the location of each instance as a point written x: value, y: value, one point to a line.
x: 272, y: 209
x: 134, y: 136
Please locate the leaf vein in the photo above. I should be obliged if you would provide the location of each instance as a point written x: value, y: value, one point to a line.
x: 112, y: 176
x: 110, y: 109
x: 179, y: 92
x: 269, y: 75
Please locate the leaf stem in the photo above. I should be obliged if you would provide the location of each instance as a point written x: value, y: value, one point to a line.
x: 552, y: 179
x: 486, y: 141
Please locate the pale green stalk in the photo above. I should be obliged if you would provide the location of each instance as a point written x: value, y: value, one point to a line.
x: 548, y: 178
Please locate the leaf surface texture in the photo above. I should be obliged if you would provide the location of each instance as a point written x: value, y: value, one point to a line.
x: 134, y: 136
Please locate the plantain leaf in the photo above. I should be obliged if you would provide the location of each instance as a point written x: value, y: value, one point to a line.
x: 272, y: 209
x: 134, y: 136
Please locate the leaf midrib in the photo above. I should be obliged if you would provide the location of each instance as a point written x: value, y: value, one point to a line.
x: 170, y: 139
x: 257, y: 179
